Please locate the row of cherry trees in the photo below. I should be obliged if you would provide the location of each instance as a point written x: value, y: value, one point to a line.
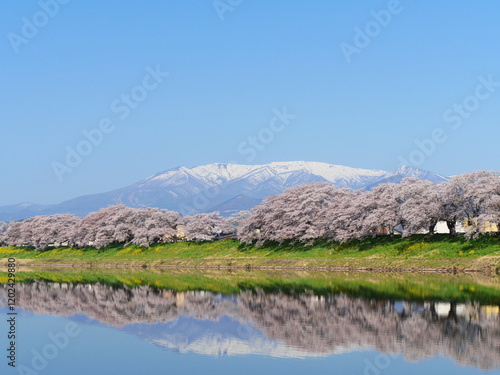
x: 301, y: 214
x: 113, y: 224
x: 319, y: 210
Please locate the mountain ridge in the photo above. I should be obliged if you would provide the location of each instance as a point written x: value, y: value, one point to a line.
x: 223, y: 187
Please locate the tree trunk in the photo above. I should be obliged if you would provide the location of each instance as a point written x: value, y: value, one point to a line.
x: 433, y: 311
x: 432, y: 227
x: 430, y: 230
x: 451, y: 227
x: 453, y: 312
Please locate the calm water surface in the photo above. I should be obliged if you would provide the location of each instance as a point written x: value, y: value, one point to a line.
x: 76, y: 328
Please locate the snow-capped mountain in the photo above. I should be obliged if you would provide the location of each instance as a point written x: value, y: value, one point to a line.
x: 221, y: 187
x: 406, y: 171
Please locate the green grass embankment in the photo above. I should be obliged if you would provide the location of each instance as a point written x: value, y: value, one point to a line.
x: 459, y: 288
x: 415, y: 254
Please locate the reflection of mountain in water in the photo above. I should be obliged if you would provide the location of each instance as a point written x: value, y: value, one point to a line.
x: 278, y: 324
x: 223, y: 337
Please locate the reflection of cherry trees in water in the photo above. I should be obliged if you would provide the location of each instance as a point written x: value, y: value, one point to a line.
x: 118, y: 306
x: 416, y: 331
x: 467, y: 333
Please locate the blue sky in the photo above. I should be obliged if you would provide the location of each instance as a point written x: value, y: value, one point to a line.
x: 228, y: 77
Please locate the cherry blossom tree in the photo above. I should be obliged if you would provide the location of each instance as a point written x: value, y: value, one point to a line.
x: 121, y: 224
x: 298, y: 214
x: 420, y: 205
x: 112, y: 224
x: 351, y: 216
x: 465, y: 198
x: 451, y: 201
x: 386, y: 208
x: 43, y: 231
x: 236, y: 219
x: 151, y: 225
x: 491, y: 214
x: 3, y: 232
x: 205, y: 227
x: 482, y: 197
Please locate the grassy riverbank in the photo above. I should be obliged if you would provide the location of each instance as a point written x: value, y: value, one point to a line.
x: 459, y: 288
x: 415, y: 254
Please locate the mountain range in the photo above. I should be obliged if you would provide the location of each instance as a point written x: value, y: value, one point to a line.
x: 227, y: 188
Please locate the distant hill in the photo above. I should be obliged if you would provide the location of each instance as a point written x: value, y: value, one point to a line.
x: 227, y: 188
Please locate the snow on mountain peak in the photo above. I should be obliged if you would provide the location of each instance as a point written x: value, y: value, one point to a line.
x: 222, y: 187
x: 409, y: 171
x: 219, y: 173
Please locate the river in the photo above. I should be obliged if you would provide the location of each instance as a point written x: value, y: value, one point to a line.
x: 77, y: 326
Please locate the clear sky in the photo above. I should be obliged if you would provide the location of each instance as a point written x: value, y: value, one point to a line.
x: 365, y: 80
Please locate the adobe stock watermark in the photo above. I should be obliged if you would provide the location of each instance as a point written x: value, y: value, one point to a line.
x: 363, y: 36
x: 454, y: 117
x: 221, y: 7
x: 31, y: 26
x: 58, y: 342
x: 249, y: 148
x: 121, y: 107
x: 254, y: 143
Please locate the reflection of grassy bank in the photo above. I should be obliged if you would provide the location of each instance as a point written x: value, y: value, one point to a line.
x: 485, y: 290
x: 383, y: 253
